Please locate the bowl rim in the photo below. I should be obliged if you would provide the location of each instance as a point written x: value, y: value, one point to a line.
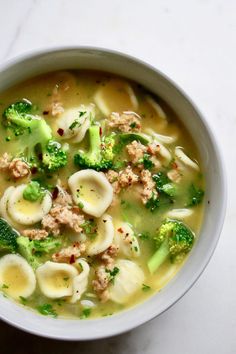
x: 127, y: 326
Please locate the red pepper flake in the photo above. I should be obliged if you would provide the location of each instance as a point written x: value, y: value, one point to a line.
x: 72, y: 259
x: 100, y: 131
x: 174, y: 165
x: 60, y: 131
x: 34, y: 170
x: 55, y: 193
x: 45, y: 113
x: 120, y: 230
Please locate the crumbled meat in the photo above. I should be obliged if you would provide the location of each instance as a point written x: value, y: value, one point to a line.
x: 127, y: 177
x: 112, y: 176
x: 69, y: 254
x: 19, y: 168
x: 107, y: 257
x: 5, y: 161
x: 125, y: 122
x: 16, y: 167
x: 35, y: 234
x: 102, y: 276
x: 63, y: 213
x: 149, y: 189
x: 136, y: 150
x: 51, y: 225
x: 101, y: 282
x: 123, y: 179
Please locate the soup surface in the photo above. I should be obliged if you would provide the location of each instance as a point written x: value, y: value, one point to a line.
x: 101, y: 194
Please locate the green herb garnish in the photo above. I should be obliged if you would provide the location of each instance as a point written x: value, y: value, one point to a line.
x: 23, y: 300
x: 195, y: 195
x: 112, y: 274
x: 85, y: 313
x: 146, y: 287
x: 47, y: 310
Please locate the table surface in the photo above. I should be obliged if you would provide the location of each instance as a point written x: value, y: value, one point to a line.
x: 194, y: 42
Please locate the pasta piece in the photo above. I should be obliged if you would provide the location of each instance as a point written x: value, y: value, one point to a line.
x: 80, y: 282
x: 74, y: 123
x: 91, y: 191
x: 56, y: 279
x: 163, y: 151
x: 104, y: 236
x: 157, y: 108
x: 4, y: 207
x: 179, y: 214
x: 25, y: 212
x: 126, y: 240
x: 17, y: 277
x: 185, y: 159
x: 165, y: 139
x: 123, y: 97
x: 128, y: 280
x: 87, y: 303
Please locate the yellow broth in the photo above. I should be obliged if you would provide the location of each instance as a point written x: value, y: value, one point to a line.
x: 76, y: 88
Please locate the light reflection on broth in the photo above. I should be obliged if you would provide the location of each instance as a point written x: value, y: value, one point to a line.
x: 54, y: 93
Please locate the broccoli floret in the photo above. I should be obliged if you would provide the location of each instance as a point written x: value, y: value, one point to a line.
x: 36, y: 144
x: 32, y: 250
x: 100, y: 154
x: 53, y: 156
x: 8, y: 237
x: 33, y: 191
x: 174, y: 240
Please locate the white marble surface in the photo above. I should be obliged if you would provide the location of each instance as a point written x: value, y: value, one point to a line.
x: 194, y: 42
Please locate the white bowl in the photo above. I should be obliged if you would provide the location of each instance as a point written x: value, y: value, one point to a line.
x: 215, y: 199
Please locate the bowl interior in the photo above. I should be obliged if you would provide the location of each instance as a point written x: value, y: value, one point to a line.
x: 92, y: 58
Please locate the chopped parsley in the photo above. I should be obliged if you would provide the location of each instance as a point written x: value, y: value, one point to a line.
x: 80, y: 205
x: 112, y: 274
x: 153, y: 203
x: 47, y: 310
x: 90, y: 228
x: 23, y: 300
x: 85, y: 313
x: 144, y: 236
x: 133, y: 125
x: 4, y: 286
x: 146, y: 287
x: 195, y: 195
x: 76, y: 121
x: 147, y: 162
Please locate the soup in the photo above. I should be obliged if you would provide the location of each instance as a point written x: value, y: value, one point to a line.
x: 101, y: 194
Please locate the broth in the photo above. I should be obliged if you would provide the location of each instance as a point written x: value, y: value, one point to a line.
x: 52, y: 95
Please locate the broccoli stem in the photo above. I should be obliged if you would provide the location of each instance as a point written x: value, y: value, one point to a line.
x: 159, y: 257
x: 95, y: 142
